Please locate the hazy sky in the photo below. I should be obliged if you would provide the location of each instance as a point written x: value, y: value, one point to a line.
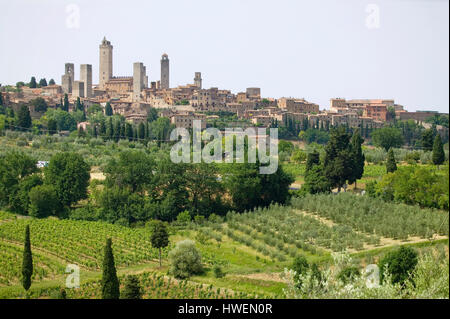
x: 316, y: 49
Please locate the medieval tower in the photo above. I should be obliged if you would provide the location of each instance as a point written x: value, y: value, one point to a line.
x: 139, y: 80
x: 198, y: 80
x: 164, y: 71
x: 86, y: 78
x: 106, y: 62
x: 68, y: 77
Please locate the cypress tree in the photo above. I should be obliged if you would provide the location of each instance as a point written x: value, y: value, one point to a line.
x: 43, y: 82
x: 358, y: 157
x: 438, y: 151
x: 312, y: 159
x: 24, y: 118
x: 129, y: 131
x: 338, y: 161
x: 52, y: 126
x: 1, y: 98
x: 141, y: 131
x: 108, y: 109
x: 51, y: 82
x: 27, y: 264
x: 79, y: 106
x: 391, y: 165
x: 65, y: 106
x: 116, y: 130
x: 110, y: 282
x: 109, y: 129
x: 33, y: 83
x: 427, y: 139
x: 102, y: 127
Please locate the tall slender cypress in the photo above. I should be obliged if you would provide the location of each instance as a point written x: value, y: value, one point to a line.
x: 110, y: 282
x: 27, y: 264
x: 438, y: 151
x: 391, y: 165
x: 358, y: 157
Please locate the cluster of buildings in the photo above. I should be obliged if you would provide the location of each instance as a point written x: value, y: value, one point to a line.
x: 133, y: 95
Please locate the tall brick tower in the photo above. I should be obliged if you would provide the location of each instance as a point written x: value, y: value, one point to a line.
x: 165, y: 71
x: 106, y: 62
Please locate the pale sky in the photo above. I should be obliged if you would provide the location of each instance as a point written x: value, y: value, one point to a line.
x: 315, y: 49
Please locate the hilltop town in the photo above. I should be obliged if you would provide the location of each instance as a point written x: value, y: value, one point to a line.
x: 132, y: 96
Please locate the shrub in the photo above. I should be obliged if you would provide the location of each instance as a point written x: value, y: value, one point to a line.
x: 185, y: 260
x: 348, y: 274
x: 218, y: 273
x: 300, y: 266
x: 199, y: 219
x: 184, y: 217
x: 399, y: 264
x: 44, y: 201
x: 132, y: 289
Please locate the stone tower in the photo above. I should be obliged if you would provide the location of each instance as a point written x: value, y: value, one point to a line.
x: 68, y: 77
x: 139, y: 78
x: 106, y: 62
x: 198, y: 79
x: 165, y: 71
x: 78, y: 89
x: 86, y: 78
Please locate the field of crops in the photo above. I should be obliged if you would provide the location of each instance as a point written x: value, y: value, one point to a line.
x: 56, y: 242
x: 154, y: 286
x: 373, y: 216
x: 281, y: 232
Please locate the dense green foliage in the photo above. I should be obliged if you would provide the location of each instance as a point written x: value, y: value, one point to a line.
x: 399, y: 264
x: 14, y: 167
x: 388, y: 137
x: 69, y: 174
x: 314, y: 135
x: 429, y: 280
x: 425, y: 186
x: 44, y: 201
x: 315, y: 179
